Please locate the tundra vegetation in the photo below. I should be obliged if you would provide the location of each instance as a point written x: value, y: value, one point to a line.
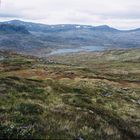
x: 74, y: 96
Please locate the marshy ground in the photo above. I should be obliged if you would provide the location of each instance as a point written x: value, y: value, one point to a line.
x: 74, y: 96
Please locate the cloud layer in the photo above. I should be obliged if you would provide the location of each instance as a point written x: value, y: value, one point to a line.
x: 117, y: 13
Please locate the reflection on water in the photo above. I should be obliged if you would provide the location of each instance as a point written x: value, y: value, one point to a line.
x: 81, y: 49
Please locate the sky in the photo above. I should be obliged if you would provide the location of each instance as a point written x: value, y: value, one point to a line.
x: 121, y: 14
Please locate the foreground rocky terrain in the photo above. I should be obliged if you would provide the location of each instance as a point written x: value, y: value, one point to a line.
x: 75, y: 96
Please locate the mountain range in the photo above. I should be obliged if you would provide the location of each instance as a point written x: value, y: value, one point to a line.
x: 34, y: 38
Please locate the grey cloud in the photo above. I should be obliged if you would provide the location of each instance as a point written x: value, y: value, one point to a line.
x: 94, y: 12
x: 5, y: 15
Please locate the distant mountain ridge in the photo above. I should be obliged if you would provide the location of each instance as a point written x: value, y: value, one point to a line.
x: 44, y: 27
x: 40, y: 38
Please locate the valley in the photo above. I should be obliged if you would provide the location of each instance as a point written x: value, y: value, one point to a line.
x: 41, y: 40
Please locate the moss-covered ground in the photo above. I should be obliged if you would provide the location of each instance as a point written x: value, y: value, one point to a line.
x: 77, y: 96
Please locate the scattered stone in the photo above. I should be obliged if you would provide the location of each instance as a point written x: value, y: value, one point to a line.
x: 138, y: 102
x: 106, y: 94
x: 79, y: 138
x: 90, y: 111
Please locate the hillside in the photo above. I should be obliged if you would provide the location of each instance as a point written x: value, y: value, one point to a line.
x: 11, y: 29
x: 17, y: 38
x: 75, y: 96
x: 45, y: 38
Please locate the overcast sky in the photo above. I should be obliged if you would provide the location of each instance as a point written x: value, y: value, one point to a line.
x: 123, y: 14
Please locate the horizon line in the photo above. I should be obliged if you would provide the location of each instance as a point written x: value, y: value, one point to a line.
x: 31, y: 21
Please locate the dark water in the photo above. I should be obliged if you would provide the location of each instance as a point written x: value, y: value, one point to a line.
x: 81, y: 49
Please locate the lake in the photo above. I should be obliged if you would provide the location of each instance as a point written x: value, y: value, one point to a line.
x: 76, y: 50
